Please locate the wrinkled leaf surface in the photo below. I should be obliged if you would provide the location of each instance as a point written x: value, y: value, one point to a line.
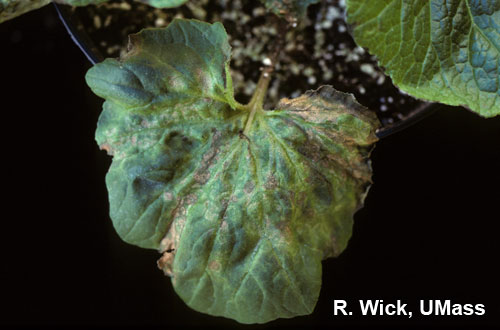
x: 444, y: 51
x: 243, y: 221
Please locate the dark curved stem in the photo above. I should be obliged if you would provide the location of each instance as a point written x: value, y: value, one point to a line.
x: 78, y: 35
x: 420, y: 112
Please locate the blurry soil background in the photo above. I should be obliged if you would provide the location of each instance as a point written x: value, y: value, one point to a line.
x: 318, y: 51
x: 429, y: 228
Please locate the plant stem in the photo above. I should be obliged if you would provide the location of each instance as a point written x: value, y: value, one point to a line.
x: 256, y: 103
x: 258, y: 97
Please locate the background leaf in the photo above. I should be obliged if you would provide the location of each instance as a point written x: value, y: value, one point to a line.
x: 164, y: 3
x: 444, y: 51
x: 13, y: 8
x: 290, y: 10
x: 154, y: 3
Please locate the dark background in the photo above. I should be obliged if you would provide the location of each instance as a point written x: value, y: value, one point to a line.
x: 429, y: 229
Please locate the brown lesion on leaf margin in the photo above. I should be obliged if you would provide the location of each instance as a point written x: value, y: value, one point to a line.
x: 168, y: 244
x: 325, y: 105
x: 106, y: 147
x: 133, y: 47
x: 168, y: 247
x: 166, y: 262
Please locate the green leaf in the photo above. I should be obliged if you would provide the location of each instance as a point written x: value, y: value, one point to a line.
x: 81, y: 3
x: 164, y: 3
x: 154, y: 3
x: 444, y: 51
x: 291, y: 10
x: 243, y: 221
x: 13, y: 8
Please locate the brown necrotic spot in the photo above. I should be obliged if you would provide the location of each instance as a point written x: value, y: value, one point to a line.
x: 202, y: 177
x: 168, y: 196
x: 249, y: 187
x: 106, y: 147
x: 190, y: 199
x: 271, y: 182
x: 166, y: 262
x: 214, y: 265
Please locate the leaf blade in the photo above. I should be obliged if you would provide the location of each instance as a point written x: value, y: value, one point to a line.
x: 10, y: 9
x: 435, y: 50
x: 243, y: 222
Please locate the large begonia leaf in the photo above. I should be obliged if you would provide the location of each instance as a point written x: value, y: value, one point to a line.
x: 440, y: 50
x: 243, y: 217
x: 292, y: 10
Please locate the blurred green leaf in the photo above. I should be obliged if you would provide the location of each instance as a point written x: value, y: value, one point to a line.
x: 443, y: 51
